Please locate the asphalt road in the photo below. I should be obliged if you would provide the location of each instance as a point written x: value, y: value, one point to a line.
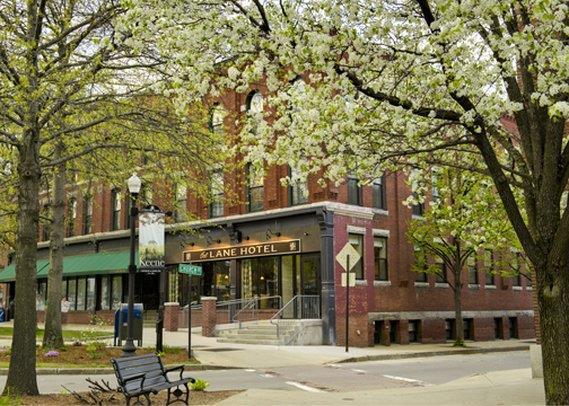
x: 338, y: 377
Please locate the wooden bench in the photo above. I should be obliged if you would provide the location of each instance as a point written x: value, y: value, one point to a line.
x: 144, y: 374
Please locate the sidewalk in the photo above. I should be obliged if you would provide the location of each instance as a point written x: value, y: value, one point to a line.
x: 513, y: 387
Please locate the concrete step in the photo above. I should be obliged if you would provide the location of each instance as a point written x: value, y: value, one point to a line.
x: 251, y: 341
x: 251, y: 337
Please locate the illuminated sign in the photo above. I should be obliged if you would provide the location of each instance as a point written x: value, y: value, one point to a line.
x: 242, y: 251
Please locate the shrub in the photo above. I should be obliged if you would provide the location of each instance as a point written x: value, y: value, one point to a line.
x: 94, y: 347
x: 199, y: 385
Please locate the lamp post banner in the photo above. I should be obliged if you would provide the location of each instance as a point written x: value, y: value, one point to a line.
x: 151, y: 241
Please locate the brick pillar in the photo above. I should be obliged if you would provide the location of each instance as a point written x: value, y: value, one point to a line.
x: 505, y: 328
x: 209, y: 316
x: 384, y: 333
x: 171, y: 312
x: 403, y: 333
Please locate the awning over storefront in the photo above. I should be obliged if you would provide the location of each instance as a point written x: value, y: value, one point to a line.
x: 91, y: 264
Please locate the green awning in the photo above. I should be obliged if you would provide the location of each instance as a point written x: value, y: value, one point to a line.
x: 91, y: 264
x: 9, y: 272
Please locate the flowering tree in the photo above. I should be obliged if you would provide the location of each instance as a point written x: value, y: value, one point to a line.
x: 399, y: 78
x: 456, y: 227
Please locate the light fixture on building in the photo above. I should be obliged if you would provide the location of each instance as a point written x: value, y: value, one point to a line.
x: 208, y: 240
x: 269, y: 234
x: 218, y: 241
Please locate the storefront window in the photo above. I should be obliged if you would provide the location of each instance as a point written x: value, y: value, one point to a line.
x: 116, y: 291
x: 105, y: 293
x: 357, y: 240
x: 71, y: 292
x: 91, y: 298
x: 81, y: 294
x: 41, y: 295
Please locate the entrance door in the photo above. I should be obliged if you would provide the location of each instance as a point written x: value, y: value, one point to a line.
x: 308, y: 286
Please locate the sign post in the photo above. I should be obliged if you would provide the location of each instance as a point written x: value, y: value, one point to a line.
x: 190, y: 270
x: 347, y: 258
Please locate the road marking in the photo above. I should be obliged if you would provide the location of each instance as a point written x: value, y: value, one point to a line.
x: 359, y: 371
x: 250, y: 370
x: 401, y: 378
x: 304, y: 387
x: 267, y: 375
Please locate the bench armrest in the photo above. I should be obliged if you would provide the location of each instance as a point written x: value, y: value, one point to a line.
x: 179, y: 367
x: 135, y: 377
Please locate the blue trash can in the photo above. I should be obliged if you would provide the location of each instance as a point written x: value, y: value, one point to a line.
x: 2, y: 315
x: 121, y: 323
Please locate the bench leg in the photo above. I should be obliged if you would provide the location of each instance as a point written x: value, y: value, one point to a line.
x: 178, y: 393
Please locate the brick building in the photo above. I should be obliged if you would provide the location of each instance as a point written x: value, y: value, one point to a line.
x: 277, y: 242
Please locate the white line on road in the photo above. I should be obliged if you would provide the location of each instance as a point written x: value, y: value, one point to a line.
x: 267, y: 375
x: 250, y: 370
x: 401, y: 378
x: 303, y: 387
x: 359, y: 371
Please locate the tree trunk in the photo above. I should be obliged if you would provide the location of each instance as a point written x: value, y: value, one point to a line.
x: 53, y: 336
x: 553, y: 304
x: 22, y: 371
x: 458, y: 324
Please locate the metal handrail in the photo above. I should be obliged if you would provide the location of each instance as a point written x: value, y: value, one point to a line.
x: 252, y: 303
x: 291, y: 302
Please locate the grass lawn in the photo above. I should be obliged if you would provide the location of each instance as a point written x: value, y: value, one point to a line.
x: 68, y: 335
x: 95, y: 355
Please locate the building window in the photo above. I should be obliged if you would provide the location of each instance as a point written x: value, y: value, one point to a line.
x: 216, y: 120
x: 297, y: 190
x: 513, y: 327
x: 441, y: 275
x: 255, y: 103
x: 116, y: 291
x: 255, y: 188
x: 181, y: 204
x: 378, y: 190
x: 81, y: 294
x: 449, y: 328
x: 105, y: 293
x: 116, y: 209
x: 472, y: 271
x: 127, y: 205
x: 91, y: 290
x: 489, y: 267
x: 418, y: 209
x: 71, y: 293
x: 422, y: 263
x: 71, y: 217
x: 216, y: 194
x: 354, y: 191
x: 87, y: 215
x: 380, y: 258
x: 357, y: 240
x: 41, y: 294
x: 516, y: 269
x: 46, y: 224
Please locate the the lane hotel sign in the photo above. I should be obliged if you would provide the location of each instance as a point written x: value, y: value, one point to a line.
x: 241, y: 251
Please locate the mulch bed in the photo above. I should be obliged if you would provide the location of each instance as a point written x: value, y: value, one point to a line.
x: 79, y: 356
x: 196, y: 398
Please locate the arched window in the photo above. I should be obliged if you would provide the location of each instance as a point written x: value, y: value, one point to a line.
x: 255, y: 102
x: 217, y: 117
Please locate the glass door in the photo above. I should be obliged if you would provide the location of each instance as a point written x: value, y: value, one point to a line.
x: 308, y: 286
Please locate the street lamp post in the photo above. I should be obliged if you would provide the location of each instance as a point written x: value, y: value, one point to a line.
x: 134, y: 184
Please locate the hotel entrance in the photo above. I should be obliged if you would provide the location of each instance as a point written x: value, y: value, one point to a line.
x: 285, y: 276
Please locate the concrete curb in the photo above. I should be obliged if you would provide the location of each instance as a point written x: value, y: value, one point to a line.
x: 107, y: 371
x: 386, y: 357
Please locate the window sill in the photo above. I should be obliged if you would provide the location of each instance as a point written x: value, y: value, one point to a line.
x: 381, y: 212
x: 529, y: 288
x: 474, y: 285
x: 381, y: 283
x: 517, y: 288
x: 361, y: 282
x: 421, y: 284
x: 441, y: 285
x: 490, y: 287
x: 417, y: 217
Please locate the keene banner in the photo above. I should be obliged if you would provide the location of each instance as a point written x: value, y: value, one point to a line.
x: 151, y: 241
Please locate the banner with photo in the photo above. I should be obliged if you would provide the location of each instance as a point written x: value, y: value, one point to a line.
x: 151, y: 240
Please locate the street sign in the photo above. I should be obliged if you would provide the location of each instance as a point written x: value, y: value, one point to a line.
x: 342, y: 256
x: 194, y: 270
x: 352, y: 279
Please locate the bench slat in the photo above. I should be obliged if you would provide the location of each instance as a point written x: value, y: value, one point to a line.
x: 135, y: 361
